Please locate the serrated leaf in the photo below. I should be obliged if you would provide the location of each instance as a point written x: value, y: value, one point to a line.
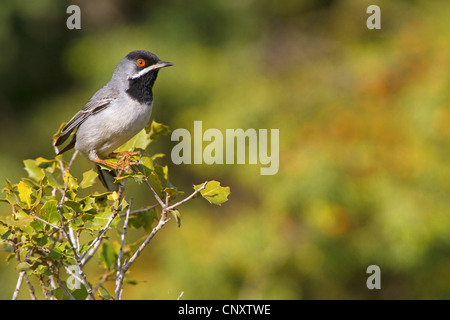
x: 49, y: 212
x: 157, y: 129
x: 25, y: 192
x: 213, y: 192
x: 23, y: 266
x: 89, y: 178
x: 17, y: 223
x: 33, y: 170
x: 72, y: 183
x: 139, y: 141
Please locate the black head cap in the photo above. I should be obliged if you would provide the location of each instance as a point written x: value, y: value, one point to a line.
x: 145, y: 68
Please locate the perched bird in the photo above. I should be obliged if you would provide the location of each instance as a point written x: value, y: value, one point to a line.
x: 116, y: 112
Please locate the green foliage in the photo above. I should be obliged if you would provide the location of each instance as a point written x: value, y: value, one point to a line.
x: 53, y: 225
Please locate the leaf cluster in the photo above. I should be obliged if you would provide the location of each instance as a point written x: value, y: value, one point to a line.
x: 53, y: 226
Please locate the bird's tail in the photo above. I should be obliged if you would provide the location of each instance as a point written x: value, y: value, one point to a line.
x: 107, y: 179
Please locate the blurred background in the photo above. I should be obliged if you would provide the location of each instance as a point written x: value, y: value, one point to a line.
x: 363, y: 115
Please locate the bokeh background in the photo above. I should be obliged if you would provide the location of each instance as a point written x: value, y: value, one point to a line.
x: 363, y: 115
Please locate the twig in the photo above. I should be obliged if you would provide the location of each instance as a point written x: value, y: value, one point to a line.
x: 188, y: 198
x: 46, y: 222
x: 71, y: 243
x: 181, y: 294
x: 102, y: 280
x: 30, y: 288
x: 92, y: 248
x: 134, y: 212
x: 64, y: 289
x: 120, y: 274
x: 19, y: 283
x: 154, y: 193
x: 161, y: 223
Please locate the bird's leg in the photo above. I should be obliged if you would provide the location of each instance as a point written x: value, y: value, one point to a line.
x: 124, y: 153
x: 109, y: 164
x: 126, y: 158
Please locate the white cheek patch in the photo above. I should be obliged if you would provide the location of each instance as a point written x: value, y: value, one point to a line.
x: 150, y: 68
x: 141, y: 73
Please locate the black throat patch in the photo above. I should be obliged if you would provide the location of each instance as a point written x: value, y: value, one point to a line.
x: 140, y: 89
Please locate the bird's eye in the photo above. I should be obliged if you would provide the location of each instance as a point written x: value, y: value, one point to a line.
x: 140, y: 63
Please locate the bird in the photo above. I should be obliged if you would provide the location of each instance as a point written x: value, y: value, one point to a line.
x: 115, y: 113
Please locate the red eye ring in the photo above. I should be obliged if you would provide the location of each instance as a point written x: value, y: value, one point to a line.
x: 140, y: 62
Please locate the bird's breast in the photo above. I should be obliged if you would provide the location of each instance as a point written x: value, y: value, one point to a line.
x: 107, y: 130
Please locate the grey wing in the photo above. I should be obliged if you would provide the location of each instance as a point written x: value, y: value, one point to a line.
x: 98, y: 102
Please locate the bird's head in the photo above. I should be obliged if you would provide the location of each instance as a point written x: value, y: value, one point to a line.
x: 139, y: 70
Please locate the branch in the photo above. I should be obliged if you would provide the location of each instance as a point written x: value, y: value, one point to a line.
x: 71, y: 243
x: 188, y: 198
x: 92, y: 248
x: 120, y: 274
x: 161, y: 223
x: 161, y: 203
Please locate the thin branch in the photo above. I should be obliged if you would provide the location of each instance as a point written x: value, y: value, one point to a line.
x: 102, y: 280
x: 92, y: 248
x: 71, y: 243
x: 161, y: 223
x: 46, y: 222
x: 134, y: 212
x: 19, y: 283
x: 188, y: 198
x: 72, y: 160
x: 64, y: 289
x: 154, y: 193
x: 120, y: 274
x: 30, y: 288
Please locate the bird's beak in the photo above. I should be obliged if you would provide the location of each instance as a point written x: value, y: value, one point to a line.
x: 160, y: 65
x: 155, y: 66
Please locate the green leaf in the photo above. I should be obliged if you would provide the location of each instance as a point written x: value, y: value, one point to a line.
x: 23, y: 266
x: 101, y: 218
x: 158, y: 129
x: 139, y: 141
x: 49, y: 212
x: 89, y: 178
x: 41, y: 241
x: 52, y: 181
x: 107, y: 255
x: 172, y: 191
x: 80, y: 294
x: 56, y: 253
x: 34, y: 171
x: 155, y: 183
x: 43, y: 270
x: 163, y: 172
x: 104, y: 294
x: 177, y: 216
x: 144, y: 220
x: 213, y: 192
x: 22, y: 222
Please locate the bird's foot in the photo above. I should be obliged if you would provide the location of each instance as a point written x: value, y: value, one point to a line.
x: 126, y: 160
